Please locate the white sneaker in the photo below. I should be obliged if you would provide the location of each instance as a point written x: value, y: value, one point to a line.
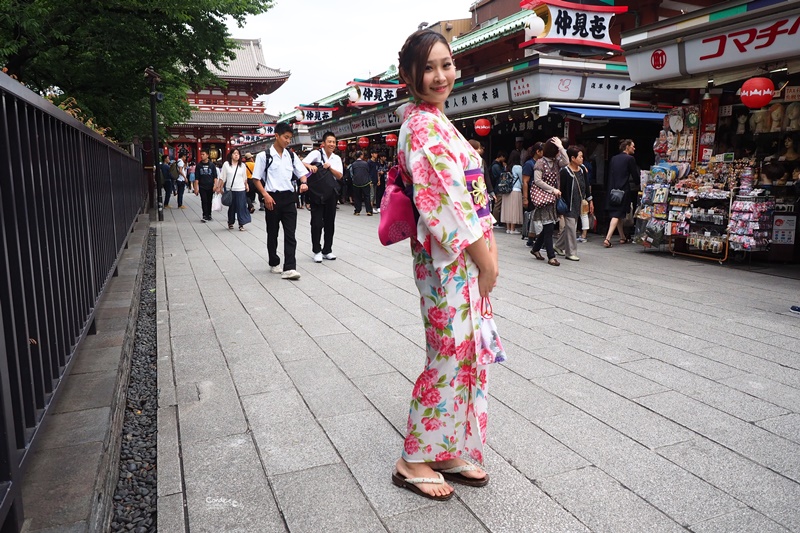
x: 290, y: 274
x: 318, y: 257
x: 330, y: 257
x: 573, y: 258
x: 276, y: 269
x: 377, y: 210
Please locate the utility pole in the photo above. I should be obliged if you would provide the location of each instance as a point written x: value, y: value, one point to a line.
x: 153, y: 77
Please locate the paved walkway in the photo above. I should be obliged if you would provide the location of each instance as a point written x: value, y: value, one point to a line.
x: 643, y: 393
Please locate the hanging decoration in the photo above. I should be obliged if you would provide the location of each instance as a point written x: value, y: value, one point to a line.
x: 309, y: 114
x: 757, y: 92
x: 366, y: 93
x: 342, y: 146
x: 391, y: 140
x: 363, y: 142
x: 483, y: 127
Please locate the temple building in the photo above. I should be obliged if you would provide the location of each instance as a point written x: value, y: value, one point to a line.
x: 223, y: 117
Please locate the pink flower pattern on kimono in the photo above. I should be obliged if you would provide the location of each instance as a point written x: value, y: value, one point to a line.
x: 448, y: 412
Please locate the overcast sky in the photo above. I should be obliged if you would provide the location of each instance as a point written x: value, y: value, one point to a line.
x: 326, y: 43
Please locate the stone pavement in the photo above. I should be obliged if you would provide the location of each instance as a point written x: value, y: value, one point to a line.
x: 643, y: 393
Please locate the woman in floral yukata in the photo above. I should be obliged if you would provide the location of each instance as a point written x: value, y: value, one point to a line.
x: 455, y: 266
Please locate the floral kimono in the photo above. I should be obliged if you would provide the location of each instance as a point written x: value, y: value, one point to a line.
x: 447, y: 418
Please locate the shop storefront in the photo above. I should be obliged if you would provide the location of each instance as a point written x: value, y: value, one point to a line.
x: 723, y: 186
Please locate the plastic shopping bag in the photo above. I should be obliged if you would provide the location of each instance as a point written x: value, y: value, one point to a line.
x: 216, y: 202
x: 491, y: 348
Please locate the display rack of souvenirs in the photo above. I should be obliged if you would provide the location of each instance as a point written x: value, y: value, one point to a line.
x: 750, y: 223
x: 698, y: 211
x: 651, y: 216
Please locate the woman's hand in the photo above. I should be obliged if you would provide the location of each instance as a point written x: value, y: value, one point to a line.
x: 487, y: 279
x: 557, y: 193
x: 591, y: 207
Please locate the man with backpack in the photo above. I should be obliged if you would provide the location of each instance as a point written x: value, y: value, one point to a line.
x: 275, y: 168
x: 359, y: 173
x: 206, y: 174
x: 322, y: 195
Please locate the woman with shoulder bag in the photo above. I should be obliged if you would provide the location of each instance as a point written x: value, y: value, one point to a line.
x: 573, y: 190
x: 233, y: 177
x: 544, y: 194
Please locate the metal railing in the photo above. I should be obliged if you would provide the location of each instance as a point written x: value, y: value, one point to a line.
x: 69, y: 199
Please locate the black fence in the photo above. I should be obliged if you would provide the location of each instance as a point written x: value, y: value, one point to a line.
x: 69, y: 199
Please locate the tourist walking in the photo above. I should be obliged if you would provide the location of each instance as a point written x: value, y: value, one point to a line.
x: 622, y: 170
x: 545, y: 179
x: 166, y: 179
x: 234, y: 178
x: 206, y: 181
x: 511, y: 206
x: 362, y: 182
x: 181, y: 179
x: 455, y: 265
x: 276, y: 168
x: 573, y: 186
x: 322, y: 195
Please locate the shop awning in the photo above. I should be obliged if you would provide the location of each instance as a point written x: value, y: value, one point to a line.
x: 600, y: 113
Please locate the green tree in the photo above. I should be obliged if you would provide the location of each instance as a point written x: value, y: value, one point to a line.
x: 95, y: 51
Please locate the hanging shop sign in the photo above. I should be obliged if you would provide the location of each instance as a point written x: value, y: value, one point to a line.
x: 363, y: 125
x: 567, y: 86
x: 247, y: 137
x: 267, y: 129
x: 748, y: 42
x: 387, y: 120
x: 477, y: 99
x: 757, y: 92
x: 391, y: 140
x: 364, y: 93
x: 341, y: 129
x: 342, y: 146
x: 363, y: 142
x: 573, y: 24
x: 314, y: 114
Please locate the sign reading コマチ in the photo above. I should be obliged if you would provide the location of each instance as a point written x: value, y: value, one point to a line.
x: 574, y: 24
x: 746, y: 42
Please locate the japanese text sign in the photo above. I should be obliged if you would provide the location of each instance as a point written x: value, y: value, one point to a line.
x: 576, y: 24
x: 365, y: 94
x: 312, y: 114
x: 476, y: 99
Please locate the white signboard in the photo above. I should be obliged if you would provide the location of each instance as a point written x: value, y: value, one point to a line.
x: 748, y: 43
x: 387, y: 120
x: 477, y: 98
x: 341, y: 129
x: 363, y: 125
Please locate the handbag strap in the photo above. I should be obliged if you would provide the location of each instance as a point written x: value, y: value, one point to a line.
x: 233, y: 180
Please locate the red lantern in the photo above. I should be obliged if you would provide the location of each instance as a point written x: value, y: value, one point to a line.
x: 391, y: 140
x: 342, y: 146
x: 757, y: 92
x: 483, y: 127
x: 363, y: 142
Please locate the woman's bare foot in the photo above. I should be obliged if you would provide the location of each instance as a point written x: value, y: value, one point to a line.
x: 479, y: 473
x: 412, y: 470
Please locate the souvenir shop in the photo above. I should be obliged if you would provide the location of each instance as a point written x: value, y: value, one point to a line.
x: 723, y: 185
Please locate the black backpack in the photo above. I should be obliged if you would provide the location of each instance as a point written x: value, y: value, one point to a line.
x: 506, y: 183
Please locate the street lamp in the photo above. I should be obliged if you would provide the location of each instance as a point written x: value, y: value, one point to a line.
x: 153, y: 77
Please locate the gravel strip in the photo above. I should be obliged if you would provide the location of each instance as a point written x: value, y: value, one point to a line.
x: 135, y: 496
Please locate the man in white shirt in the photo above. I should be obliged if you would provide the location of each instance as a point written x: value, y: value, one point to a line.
x: 323, y: 195
x: 276, y: 167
